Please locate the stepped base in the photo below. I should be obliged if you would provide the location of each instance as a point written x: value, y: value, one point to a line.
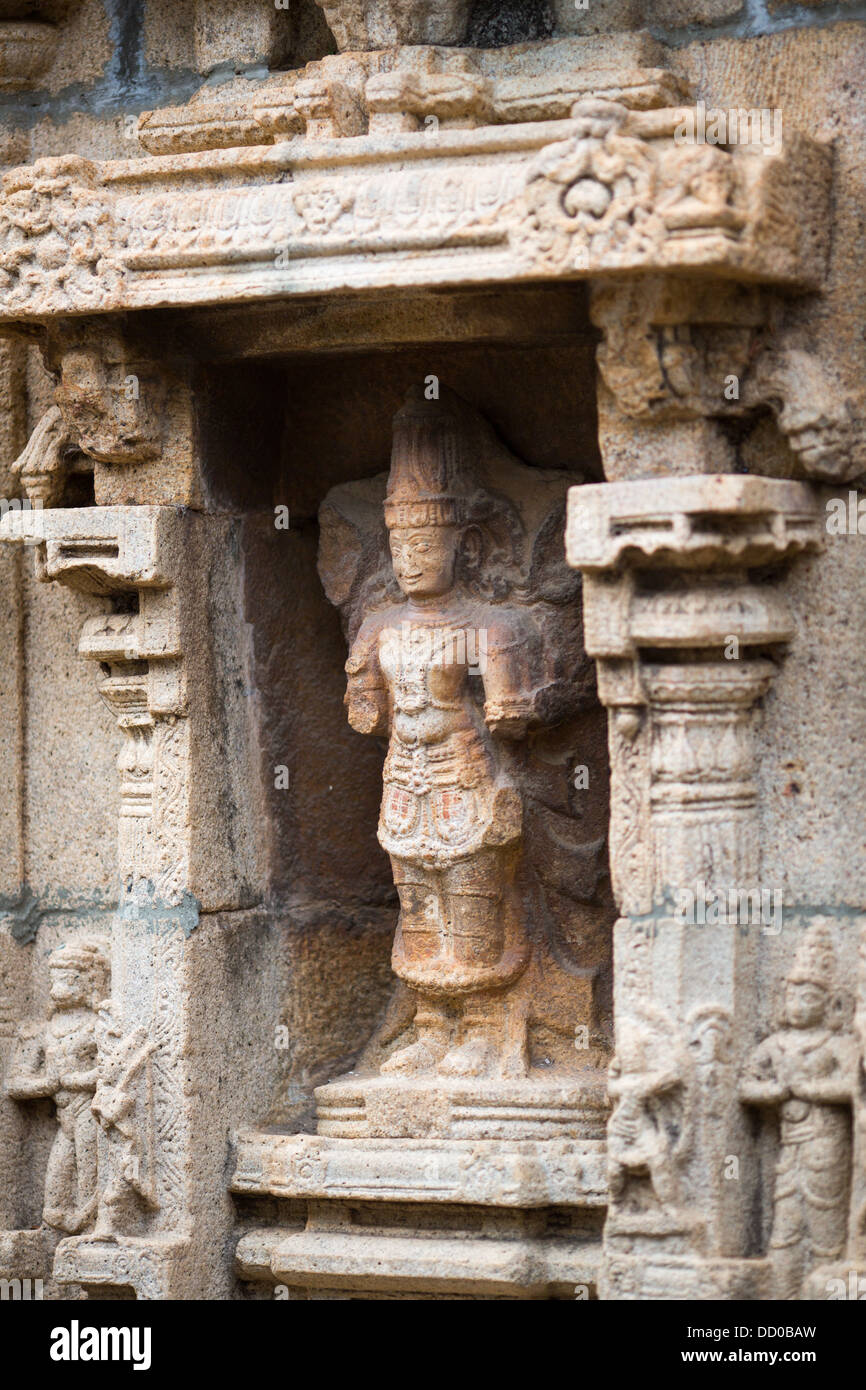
x: 113, y: 1263
x: 423, y: 1218
x: 380, y: 1107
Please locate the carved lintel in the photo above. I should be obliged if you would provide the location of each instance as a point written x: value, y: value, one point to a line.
x: 56, y: 239
x: 514, y: 185
x: 623, y: 192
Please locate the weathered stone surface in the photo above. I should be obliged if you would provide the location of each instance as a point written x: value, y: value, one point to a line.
x: 514, y: 352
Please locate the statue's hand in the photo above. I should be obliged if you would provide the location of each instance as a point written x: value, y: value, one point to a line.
x: 365, y: 715
x: 512, y: 726
x: 508, y: 718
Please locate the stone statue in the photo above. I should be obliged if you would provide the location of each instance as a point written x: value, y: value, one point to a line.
x: 453, y: 668
x: 60, y: 1060
x: 126, y: 1123
x: 807, y: 1071
x: 650, y: 1128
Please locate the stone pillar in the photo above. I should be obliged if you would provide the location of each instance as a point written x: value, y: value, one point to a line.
x: 685, y: 614
x: 185, y: 852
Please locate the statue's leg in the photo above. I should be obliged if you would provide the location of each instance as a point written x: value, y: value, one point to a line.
x: 60, y: 1180
x: 85, y: 1164
x: 826, y: 1185
x: 482, y: 1027
x: 479, y: 899
x: 662, y: 1176
x: 790, y: 1234
x: 421, y: 927
x: 419, y: 939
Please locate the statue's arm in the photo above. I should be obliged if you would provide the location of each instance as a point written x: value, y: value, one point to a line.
x: 29, y: 1087
x: 836, y: 1086
x: 511, y: 663
x: 80, y: 1080
x: 27, y: 1077
x: 367, y: 690
x: 759, y: 1082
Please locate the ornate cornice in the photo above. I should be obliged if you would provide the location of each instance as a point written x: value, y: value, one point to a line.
x: 351, y: 175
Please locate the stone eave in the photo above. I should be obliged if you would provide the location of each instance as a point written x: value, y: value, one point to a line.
x: 508, y: 203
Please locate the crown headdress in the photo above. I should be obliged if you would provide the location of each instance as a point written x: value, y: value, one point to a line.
x: 815, y: 959
x: 90, y: 956
x: 430, y: 483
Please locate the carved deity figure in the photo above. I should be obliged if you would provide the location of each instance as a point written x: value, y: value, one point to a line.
x: 806, y: 1071
x: 60, y: 1061
x: 650, y: 1127
x: 452, y: 671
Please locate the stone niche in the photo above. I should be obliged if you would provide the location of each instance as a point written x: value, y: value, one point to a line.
x: 479, y: 1140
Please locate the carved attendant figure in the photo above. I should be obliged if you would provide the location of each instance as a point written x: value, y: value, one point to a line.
x: 807, y: 1070
x: 64, y: 1067
x: 453, y: 677
x: 650, y: 1129
x: 128, y: 1165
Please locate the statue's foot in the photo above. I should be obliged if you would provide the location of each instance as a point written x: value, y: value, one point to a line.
x: 515, y: 1067
x: 473, y: 1058
x: 419, y: 1056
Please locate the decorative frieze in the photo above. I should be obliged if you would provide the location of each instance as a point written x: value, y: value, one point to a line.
x: 565, y: 172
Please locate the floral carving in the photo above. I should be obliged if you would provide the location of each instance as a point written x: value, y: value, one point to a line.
x: 55, y: 238
x: 591, y: 196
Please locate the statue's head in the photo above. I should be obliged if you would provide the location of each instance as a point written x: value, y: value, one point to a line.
x: 79, y: 974
x: 429, y: 497
x: 810, y: 983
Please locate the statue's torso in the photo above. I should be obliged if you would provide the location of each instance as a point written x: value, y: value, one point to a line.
x: 439, y: 778
x: 70, y: 1046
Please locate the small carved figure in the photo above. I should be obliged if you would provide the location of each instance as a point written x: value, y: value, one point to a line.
x: 44, y: 463
x: 128, y: 1162
x: 701, y: 200
x: 807, y: 1070
x: 60, y: 1061
x: 650, y: 1128
x: 113, y: 405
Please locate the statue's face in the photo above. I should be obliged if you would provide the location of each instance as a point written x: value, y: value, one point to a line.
x: 424, y: 559
x: 68, y: 989
x: 805, y: 1003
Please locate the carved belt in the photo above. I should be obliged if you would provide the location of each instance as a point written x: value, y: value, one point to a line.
x: 460, y: 761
